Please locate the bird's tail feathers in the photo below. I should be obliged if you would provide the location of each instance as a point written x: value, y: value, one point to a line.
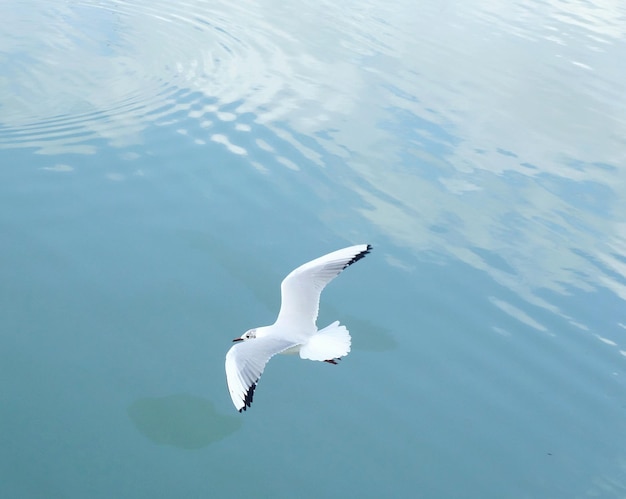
x: 329, y: 343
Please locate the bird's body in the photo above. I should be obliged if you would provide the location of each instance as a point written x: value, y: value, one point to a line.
x: 295, y: 330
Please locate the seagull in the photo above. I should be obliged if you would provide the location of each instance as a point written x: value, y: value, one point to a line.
x: 295, y: 330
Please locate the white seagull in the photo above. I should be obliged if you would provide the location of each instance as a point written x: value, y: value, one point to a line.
x: 295, y: 330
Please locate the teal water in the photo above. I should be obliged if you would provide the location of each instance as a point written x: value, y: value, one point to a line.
x: 163, y: 165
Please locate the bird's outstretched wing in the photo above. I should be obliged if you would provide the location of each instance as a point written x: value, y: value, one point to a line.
x: 245, y: 363
x: 301, y: 289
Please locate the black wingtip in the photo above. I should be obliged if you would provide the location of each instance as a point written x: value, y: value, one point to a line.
x: 359, y: 256
x: 247, y: 400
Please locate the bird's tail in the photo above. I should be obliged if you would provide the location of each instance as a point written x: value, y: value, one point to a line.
x: 329, y: 343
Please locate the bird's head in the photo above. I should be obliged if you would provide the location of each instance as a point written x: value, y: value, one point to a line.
x: 248, y: 335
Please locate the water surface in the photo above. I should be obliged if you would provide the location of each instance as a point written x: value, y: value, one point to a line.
x: 164, y: 165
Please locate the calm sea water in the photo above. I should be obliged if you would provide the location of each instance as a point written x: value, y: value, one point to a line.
x: 163, y: 165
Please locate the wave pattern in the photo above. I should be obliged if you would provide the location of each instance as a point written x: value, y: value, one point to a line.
x: 106, y: 70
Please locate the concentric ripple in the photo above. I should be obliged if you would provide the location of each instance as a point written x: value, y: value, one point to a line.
x: 76, y: 73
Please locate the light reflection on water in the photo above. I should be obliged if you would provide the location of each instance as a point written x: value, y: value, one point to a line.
x: 200, y: 150
x: 510, y: 120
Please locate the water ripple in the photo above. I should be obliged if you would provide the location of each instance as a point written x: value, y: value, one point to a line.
x: 106, y: 70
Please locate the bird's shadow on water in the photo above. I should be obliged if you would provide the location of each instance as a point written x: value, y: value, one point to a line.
x: 264, y: 284
x: 367, y: 336
x: 182, y: 421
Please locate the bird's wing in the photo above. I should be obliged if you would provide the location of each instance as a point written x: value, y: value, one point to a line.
x: 301, y: 289
x: 245, y: 362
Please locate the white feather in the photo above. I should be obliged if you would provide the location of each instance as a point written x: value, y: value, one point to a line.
x: 332, y: 342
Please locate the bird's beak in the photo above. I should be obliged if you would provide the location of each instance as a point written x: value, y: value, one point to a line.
x: 237, y: 339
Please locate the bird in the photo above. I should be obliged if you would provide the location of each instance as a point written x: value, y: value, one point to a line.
x: 295, y: 330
